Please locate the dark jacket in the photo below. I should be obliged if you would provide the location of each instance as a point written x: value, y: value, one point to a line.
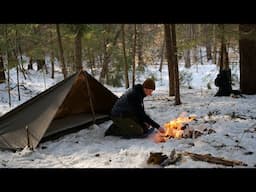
x: 131, y: 103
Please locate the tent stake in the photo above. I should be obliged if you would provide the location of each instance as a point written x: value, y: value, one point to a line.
x: 28, y: 136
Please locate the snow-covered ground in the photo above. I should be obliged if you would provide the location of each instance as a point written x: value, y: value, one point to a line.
x: 232, y: 119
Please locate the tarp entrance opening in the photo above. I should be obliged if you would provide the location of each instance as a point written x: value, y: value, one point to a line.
x: 71, y: 124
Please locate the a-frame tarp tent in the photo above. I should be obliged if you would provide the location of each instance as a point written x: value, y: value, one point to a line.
x: 73, y: 102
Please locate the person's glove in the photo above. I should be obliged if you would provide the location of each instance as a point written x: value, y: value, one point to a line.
x: 161, y: 129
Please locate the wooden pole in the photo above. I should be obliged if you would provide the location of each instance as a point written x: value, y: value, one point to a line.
x: 90, y: 98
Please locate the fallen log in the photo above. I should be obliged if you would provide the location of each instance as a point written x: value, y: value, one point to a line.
x: 158, y: 98
x: 216, y: 160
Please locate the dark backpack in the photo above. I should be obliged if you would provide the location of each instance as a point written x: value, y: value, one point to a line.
x: 217, y: 81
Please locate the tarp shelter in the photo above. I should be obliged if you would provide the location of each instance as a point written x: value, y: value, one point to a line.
x: 74, y: 102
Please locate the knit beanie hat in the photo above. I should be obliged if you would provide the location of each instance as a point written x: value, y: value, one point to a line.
x: 149, y: 84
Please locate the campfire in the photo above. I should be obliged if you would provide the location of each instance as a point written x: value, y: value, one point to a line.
x: 177, y: 128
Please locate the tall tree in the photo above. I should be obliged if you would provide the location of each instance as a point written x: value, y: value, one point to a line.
x: 162, y: 52
x: 247, y: 49
x: 194, y: 36
x: 169, y: 51
x: 52, y: 54
x: 208, y: 44
x: 18, y: 50
x: 188, y: 38
x: 8, y: 63
x: 214, y: 58
x: 109, y: 42
x: 175, y: 66
x: 2, y: 74
x: 30, y: 63
x: 125, y: 59
x: 223, y: 80
x: 106, y: 53
x: 134, y: 55
x: 140, y: 45
x: 64, y: 70
x: 223, y: 57
x: 78, y: 47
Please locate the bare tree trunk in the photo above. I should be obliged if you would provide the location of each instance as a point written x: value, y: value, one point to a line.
x: 194, y: 49
x: 21, y: 62
x: 169, y: 52
x: 91, y: 59
x: 162, y: 55
x: 226, y: 58
x: 30, y: 65
x: 134, y: 56
x: 45, y: 67
x: 106, y: 60
x: 208, y: 45
x: 223, y: 80
x: 17, y: 66
x: 64, y: 70
x: 194, y: 55
x: 214, y: 59
x: 201, y: 56
x: 18, y: 49
x: 224, y: 62
x: 78, y: 48
x: 40, y: 64
x: 220, y: 61
x: 2, y: 74
x: 17, y: 75
x: 187, y: 58
x: 107, y: 54
x: 140, y: 45
x: 8, y: 66
x: 72, y: 60
x: 175, y: 66
x: 187, y: 51
x: 125, y: 59
x: 247, y: 49
x: 8, y: 80
x: 52, y: 56
x: 208, y: 51
x: 18, y: 81
x: 52, y: 64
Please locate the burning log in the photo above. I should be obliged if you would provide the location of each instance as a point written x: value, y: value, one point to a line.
x: 216, y: 160
x: 176, y: 127
x: 179, y: 128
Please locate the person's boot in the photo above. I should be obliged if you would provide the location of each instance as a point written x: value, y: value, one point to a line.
x: 109, y: 130
x: 148, y: 132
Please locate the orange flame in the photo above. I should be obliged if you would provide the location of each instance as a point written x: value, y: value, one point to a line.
x: 174, y: 129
